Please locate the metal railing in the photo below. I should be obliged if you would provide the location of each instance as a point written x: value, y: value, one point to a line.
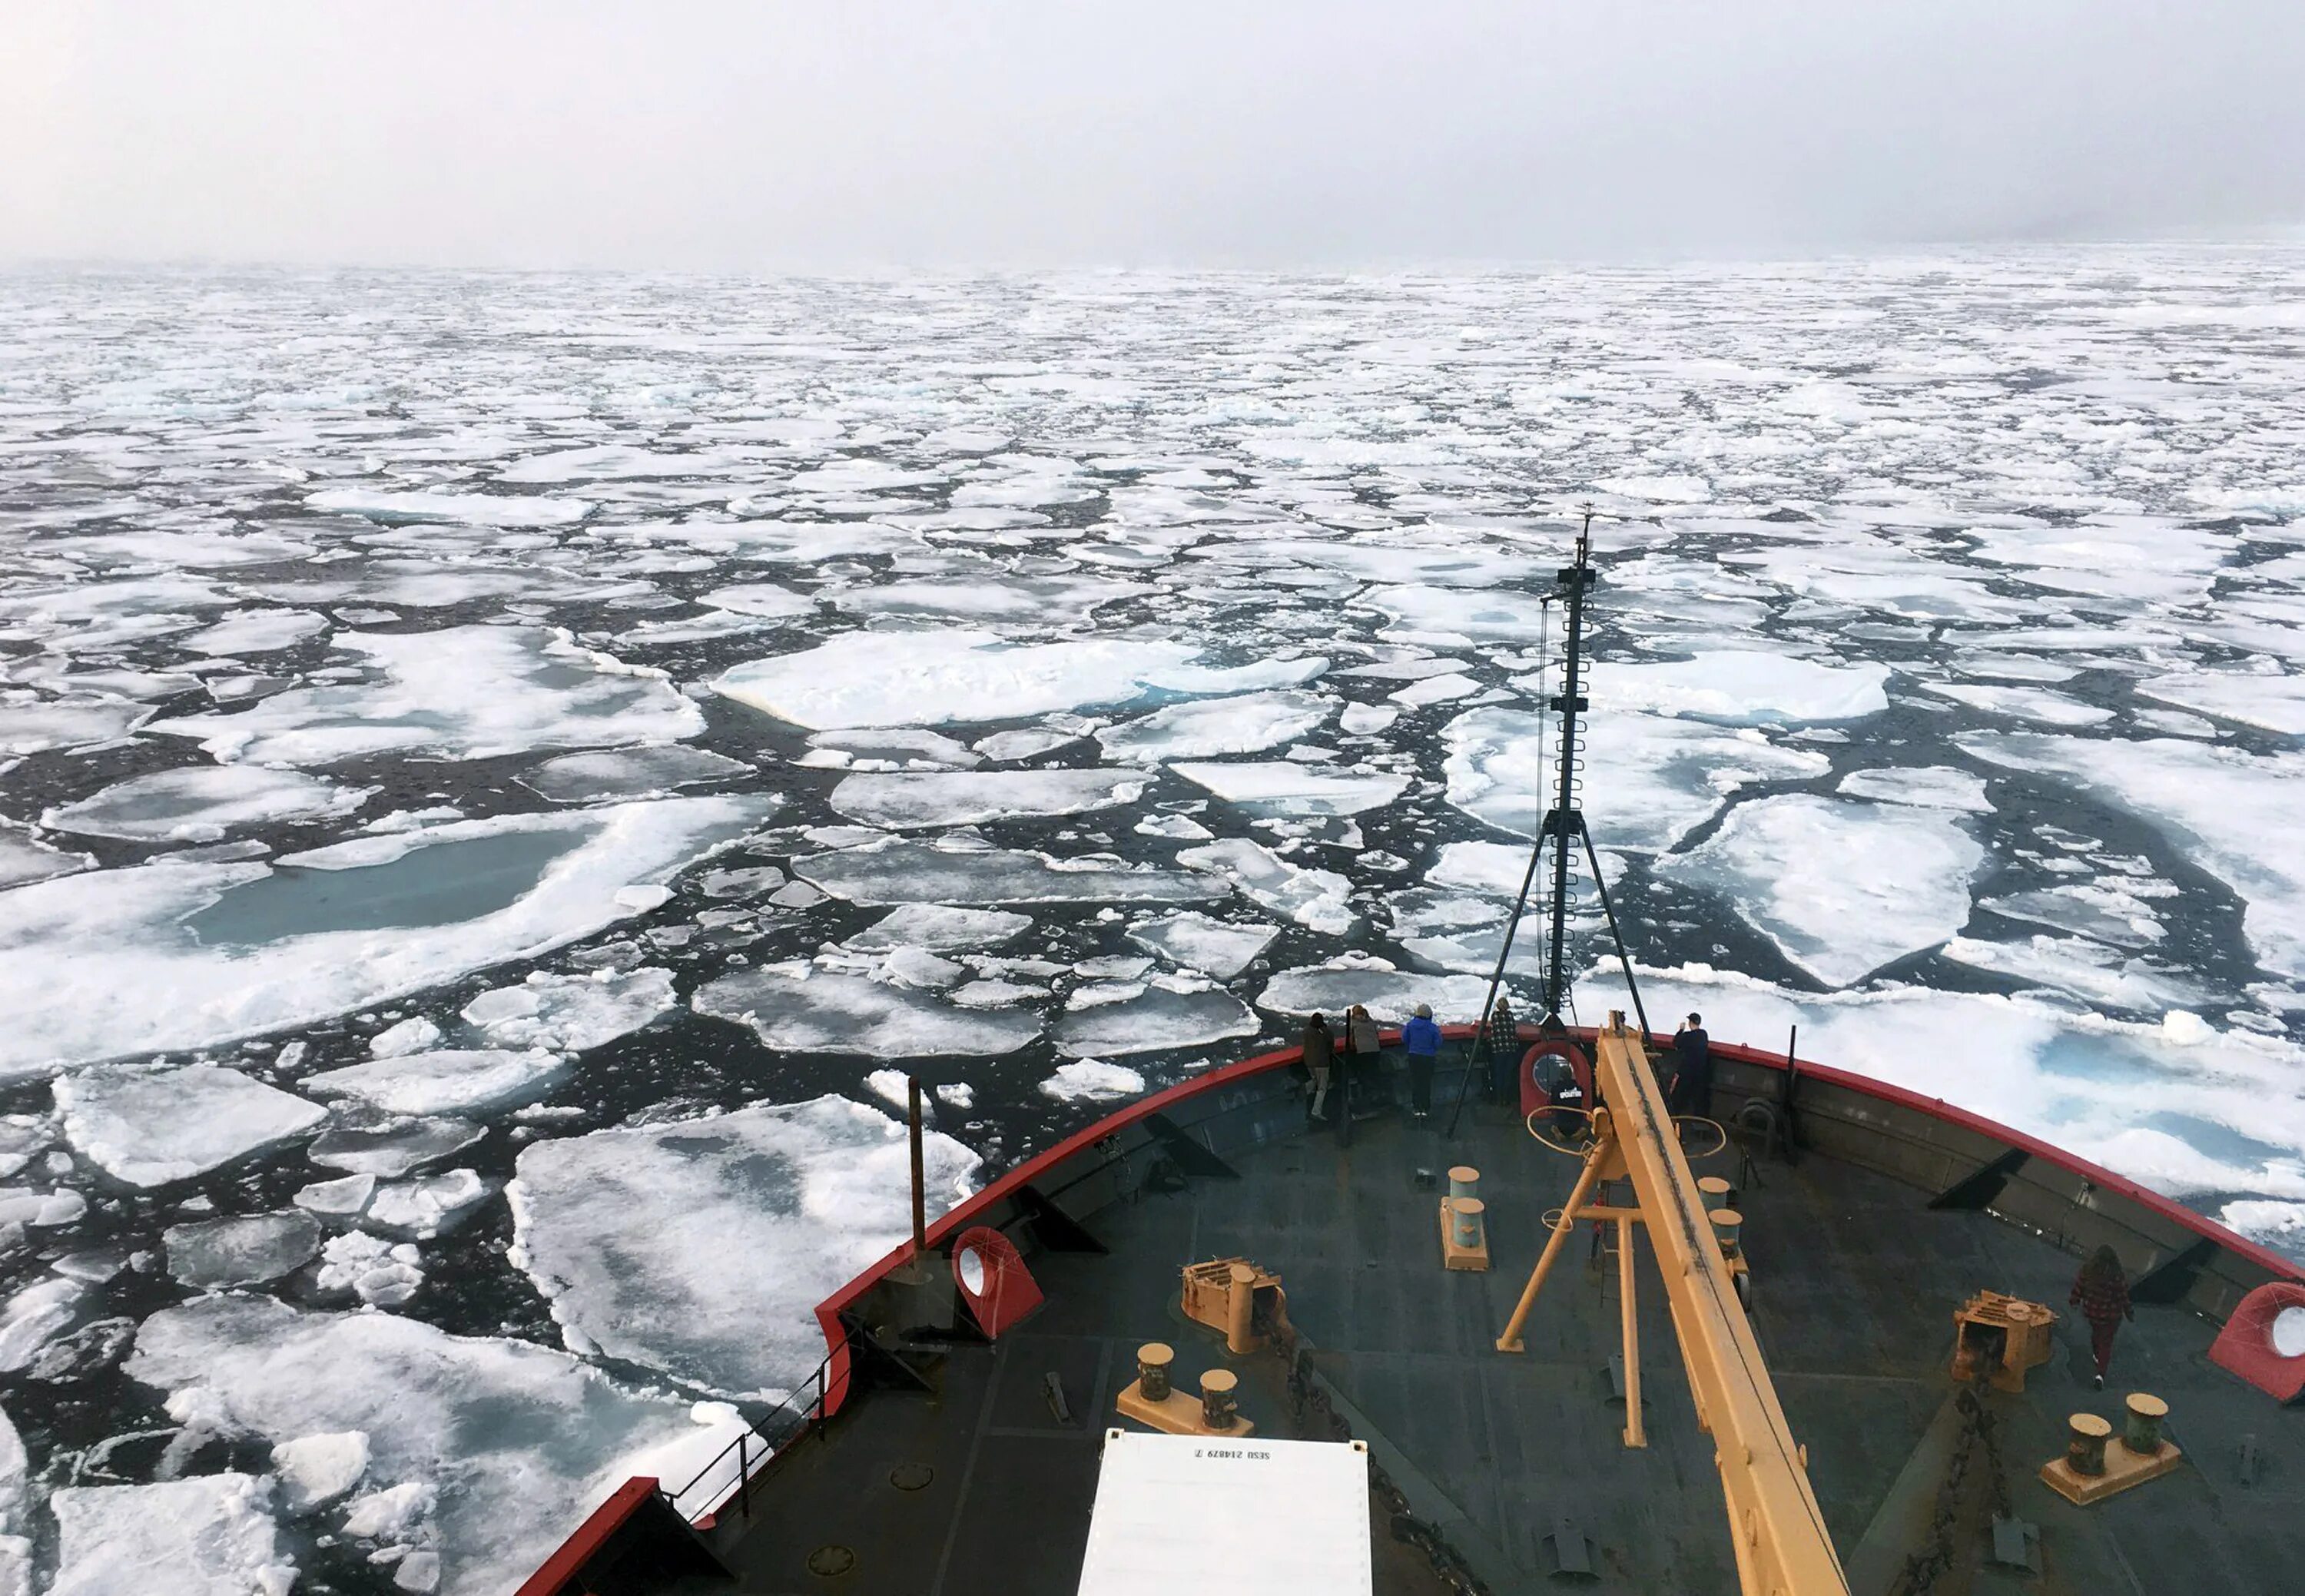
x: 758, y: 1444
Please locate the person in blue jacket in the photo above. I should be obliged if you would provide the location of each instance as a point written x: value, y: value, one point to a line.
x: 1420, y: 1038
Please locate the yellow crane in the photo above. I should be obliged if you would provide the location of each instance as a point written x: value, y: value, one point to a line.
x: 1774, y: 1523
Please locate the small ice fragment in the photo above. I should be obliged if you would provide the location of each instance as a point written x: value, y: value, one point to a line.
x: 1091, y: 1081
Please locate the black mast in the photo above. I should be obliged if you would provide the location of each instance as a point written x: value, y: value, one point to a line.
x: 1564, y: 827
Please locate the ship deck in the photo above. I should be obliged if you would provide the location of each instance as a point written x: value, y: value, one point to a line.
x: 1856, y: 1281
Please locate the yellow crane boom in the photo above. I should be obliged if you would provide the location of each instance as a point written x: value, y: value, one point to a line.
x: 1774, y: 1523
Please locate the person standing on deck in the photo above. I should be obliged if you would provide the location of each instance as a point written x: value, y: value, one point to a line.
x: 1692, y: 1077
x: 1503, y: 1034
x: 1420, y: 1038
x: 1360, y: 1047
x: 1318, y: 1048
x: 2101, y: 1291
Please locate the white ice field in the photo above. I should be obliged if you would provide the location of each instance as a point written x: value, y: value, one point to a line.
x: 504, y: 776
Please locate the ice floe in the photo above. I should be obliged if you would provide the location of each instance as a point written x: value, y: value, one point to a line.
x: 797, y: 1008
x: 1317, y: 898
x: 174, y: 956
x: 212, y: 1535
x: 257, y: 632
x: 1092, y: 1080
x: 471, y: 509
x: 2274, y: 703
x: 518, y: 1442
x: 460, y: 693
x: 1924, y: 786
x: 939, y: 928
x: 946, y: 872
x: 1200, y: 729
x: 1390, y: 995
x: 1840, y: 886
x: 941, y: 678
x: 1156, y: 1019
x: 1287, y: 786
x: 2233, y: 812
x: 1665, y: 777
x: 628, y: 1232
x: 910, y: 801
x: 571, y: 1013
x: 2038, y: 705
x: 630, y: 774
x: 202, y: 803
x: 28, y: 725
x: 216, y: 1254
x: 24, y: 859
x: 1742, y: 686
x: 454, y: 1081
x: 1220, y: 948
x: 150, y: 1129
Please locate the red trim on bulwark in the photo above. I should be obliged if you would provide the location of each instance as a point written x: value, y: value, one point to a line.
x: 566, y: 1564
x: 1006, y: 1291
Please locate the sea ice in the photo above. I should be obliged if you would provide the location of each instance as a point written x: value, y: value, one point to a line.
x: 1245, y: 724
x: 470, y: 509
x: 2233, y: 814
x: 202, y: 803
x: 1030, y: 743
x: 628, y: 1233
x: 218, y: 1254
x: 895, y: 873
x: 34, y: 1317
x: 911, y: 801
x: 427, y: 1205
x: 1285, y: 787
x: 797, y: 1008
x: 940, y: 677
x: 2023, y: 704
x: 1317, y: 898
x: 1155, y: 1020
x: 257, y: 632
x: 181, y: 956
x: 518, y: 1441
x: 1840, y: 886
x: 1220, y: 948
x: 2107, y: 977
x: 314, y: 1469
x: 939, y: 929
x: 1739, y: 687
x: 212, y: 1535
x: 473, y: 692
x: 1923, y: 786
x: 148, y: 1130
x: 1439, y: 616
x: 2274, y: 703
x: 571, y: 1013
x: 389, y: 1145
x: 24, y: 859
x: 1665, y: 777
x: 477, y: 1082
x: 630, y: 774
x: 381, y: 1274
x: 1092, y: 1080
x: 1390, y: 995
x: 32, y: 726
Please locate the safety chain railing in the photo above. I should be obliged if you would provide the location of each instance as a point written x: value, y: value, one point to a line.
x: 1924, y: 1567
x: 1316, y: 1414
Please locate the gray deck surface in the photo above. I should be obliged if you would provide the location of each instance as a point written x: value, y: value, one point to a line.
x: 1856, y: 1285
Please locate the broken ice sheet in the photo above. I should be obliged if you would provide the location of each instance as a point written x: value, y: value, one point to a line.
x: 1840, y: 886
x: 1925, y: 786
x: 1154, y: 1021
x: 519, y: 1442
x: 1318, y: 899
x: 480, y: 1081
x: 1220, y: 948
x: 910, y: 800
x: 627, y: 1232
x: 24, y: 859
x: 940, y: 677
x: 950, y: 872
x: 471, y: 692
x: 202, y: 803
x: 799, y: 1008
x: 150, y: 1129
x: 180, y: 956
x: 1742, y: 686
x: 630, y: 772
x: 1285, y: 787
x: 28, y: 725
x: 571, y: 1013
x: 1246, y: 724
x: 212, y: 1535
x: 218, y: 1254
x: 938, y: 928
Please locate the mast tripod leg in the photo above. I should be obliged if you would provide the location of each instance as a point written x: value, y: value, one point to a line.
x: 1615, y: 936
x: 1595, y: 1162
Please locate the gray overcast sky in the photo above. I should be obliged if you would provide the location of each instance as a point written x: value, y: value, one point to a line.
x: 854, y: 133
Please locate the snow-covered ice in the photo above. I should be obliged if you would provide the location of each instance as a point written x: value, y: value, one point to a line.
x: 630, y: 774
x: 1842, y: 886
x: 797, y: 1008
x: 1220, y: 948
x: 1092, y: 1080
x: 212, y: 1535
x: 898, y: 873
x: 571, y: 1013
x: 1315, y: 898
x: 454, y: 1080
x: 148, y: 1130
x: 1286, y: 787
x: 628, y: 1233
x: 1213, y: 727
x: 1156, y: 1019
x: 1926, y: 786
x: 910, y: 801
x: 1741, y: 686
x: 202, y: 803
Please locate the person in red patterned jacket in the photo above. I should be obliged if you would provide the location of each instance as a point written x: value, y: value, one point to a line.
x: 2101, y: 1291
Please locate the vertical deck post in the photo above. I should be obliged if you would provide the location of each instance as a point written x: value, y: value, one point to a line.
x: 920, y: 1192
x: 1635, y: 1436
